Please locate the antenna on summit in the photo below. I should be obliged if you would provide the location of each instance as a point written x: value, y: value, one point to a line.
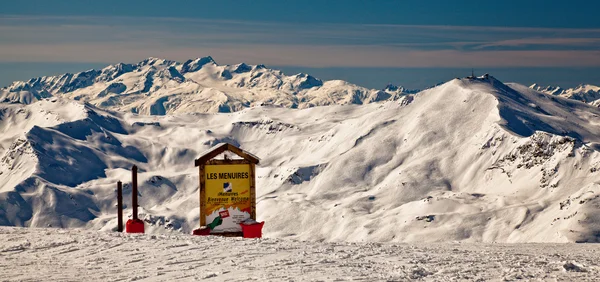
x: 472, y: 74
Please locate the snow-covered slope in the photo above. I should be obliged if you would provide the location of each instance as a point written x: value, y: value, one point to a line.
x: 470, y: 160
x: 157, y: 87
x: 42, y: 254
x: 585, y: 92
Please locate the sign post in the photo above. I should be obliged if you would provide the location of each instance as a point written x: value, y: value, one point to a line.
x: 134, y: 225
x: 227, y: 190
x: 119, y: 206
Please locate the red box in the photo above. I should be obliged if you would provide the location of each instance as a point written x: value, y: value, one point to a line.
x: 252, y: 230
x: 134, y: 226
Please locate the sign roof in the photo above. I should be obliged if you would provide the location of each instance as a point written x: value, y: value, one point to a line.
x: 222, y: 147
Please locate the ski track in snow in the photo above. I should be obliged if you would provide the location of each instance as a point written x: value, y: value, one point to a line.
x: 35, y: 254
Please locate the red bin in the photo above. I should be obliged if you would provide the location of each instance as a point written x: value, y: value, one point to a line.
x: 252, y: 230
x: 134, y: 226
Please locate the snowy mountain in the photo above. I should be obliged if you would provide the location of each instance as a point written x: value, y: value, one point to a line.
x: 473, y: 159
x: 399, y: 90
x: 586, y: 93
x: 158, y: 87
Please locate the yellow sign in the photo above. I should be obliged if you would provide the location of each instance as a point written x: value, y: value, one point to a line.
x: 227, y: 197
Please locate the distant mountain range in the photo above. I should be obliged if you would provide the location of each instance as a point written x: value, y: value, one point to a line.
x: 586, y: 93
x: 158, y: 87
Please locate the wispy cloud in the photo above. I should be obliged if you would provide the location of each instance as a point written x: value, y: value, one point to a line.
x: 114, y: 39
x: 551, y: 42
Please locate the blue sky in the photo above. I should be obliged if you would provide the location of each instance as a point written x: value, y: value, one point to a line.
x: 371, y: 43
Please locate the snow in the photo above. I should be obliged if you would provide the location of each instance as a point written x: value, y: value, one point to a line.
x: 585, y: 92
x: 65, y: 255
x: 471, y: 160
x: 159, y: 87
x: 352, y: 184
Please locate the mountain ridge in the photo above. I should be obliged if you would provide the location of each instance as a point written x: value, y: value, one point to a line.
x: 473, y: 159
x: 158, y: 86
x: 586, y: 93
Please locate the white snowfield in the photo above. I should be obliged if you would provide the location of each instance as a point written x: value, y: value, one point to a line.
x: 37, y: 254
x: 471, y: 160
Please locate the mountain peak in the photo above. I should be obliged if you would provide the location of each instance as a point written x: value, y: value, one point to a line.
x: 483, y: 78
x: 392, y: 88
x: 308, y: 81
x: 205, y: 60
x: 586, y: 88
x: 242, y: 68
x: 196, y: 64
x: 395, y: 89
x: 152, y: 61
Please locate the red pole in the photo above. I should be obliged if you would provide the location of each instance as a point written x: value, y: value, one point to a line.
x: 134, y: 225
x: 119, y: 206
x: 134, y: 192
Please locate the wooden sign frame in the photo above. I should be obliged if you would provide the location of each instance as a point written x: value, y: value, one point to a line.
x: 208, y: 159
